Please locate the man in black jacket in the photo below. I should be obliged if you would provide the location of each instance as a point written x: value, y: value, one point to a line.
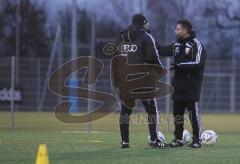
x: 189, y: 61
x: 143, y: 50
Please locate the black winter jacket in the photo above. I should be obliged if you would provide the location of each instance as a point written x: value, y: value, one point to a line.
x: 146, y: 49
x: 189, y: 61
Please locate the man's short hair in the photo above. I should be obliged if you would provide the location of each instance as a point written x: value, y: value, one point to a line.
x: 185, y: 24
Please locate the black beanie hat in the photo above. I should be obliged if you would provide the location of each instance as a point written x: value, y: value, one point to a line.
x: 139, y: 19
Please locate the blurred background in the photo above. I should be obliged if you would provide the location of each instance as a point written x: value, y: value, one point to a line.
x: 38, y: 36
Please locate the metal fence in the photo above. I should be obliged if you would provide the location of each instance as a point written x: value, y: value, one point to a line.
x: 220, y: 93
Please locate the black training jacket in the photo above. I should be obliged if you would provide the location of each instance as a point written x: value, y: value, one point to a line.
x: 189, y: 61
x: 146, y: 51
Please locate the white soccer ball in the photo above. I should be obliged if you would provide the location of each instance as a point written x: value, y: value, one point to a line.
x: 209, y: 137
x: 160, y: 136
x: 186, y: 136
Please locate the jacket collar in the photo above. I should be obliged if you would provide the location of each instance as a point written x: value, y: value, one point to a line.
x: 191, y: 37
x: 133, y: 32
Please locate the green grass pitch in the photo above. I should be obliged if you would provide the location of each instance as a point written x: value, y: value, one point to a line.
x: 70, y: 144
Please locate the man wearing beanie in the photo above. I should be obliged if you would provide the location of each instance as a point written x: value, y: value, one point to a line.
x: 146, y: 52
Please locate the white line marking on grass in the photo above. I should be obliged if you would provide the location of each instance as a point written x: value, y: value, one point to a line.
x: 94, y: 141
x: 85, y: 132
x: 51, y: 141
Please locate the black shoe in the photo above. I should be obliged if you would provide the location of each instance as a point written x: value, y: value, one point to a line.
x: 124, y: 144
x: 194, y: 145
x: 176, y: 143
x: 157, y: 144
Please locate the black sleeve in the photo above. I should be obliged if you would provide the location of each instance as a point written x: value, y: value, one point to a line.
x: 165, y: 51
x: 199, y: 55
x: 117, y: 42
x: 114, y: 63
x: 150, y: 50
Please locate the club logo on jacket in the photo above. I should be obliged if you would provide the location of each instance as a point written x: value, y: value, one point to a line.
x: 128, y: 48
x: 187, y: 50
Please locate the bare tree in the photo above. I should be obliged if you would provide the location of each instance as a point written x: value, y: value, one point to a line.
x: 125, y: 9
x: 228, y: 17
x: 34, y: 39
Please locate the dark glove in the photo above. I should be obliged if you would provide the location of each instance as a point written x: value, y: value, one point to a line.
x: 173, y: 66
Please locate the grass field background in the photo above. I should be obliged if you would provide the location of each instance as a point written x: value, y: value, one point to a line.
x: 71, y: 144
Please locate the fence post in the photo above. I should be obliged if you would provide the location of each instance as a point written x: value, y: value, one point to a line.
x: 12, y: 92
x: 49, y: 68
x: 92, y: 51
x: 168, y: 98
x: 232, y: 89
x: 38, y: 84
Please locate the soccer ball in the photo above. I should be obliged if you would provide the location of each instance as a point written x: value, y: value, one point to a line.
x: 159, y: 135
x: 186, y: 137
x: 209, y: 137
